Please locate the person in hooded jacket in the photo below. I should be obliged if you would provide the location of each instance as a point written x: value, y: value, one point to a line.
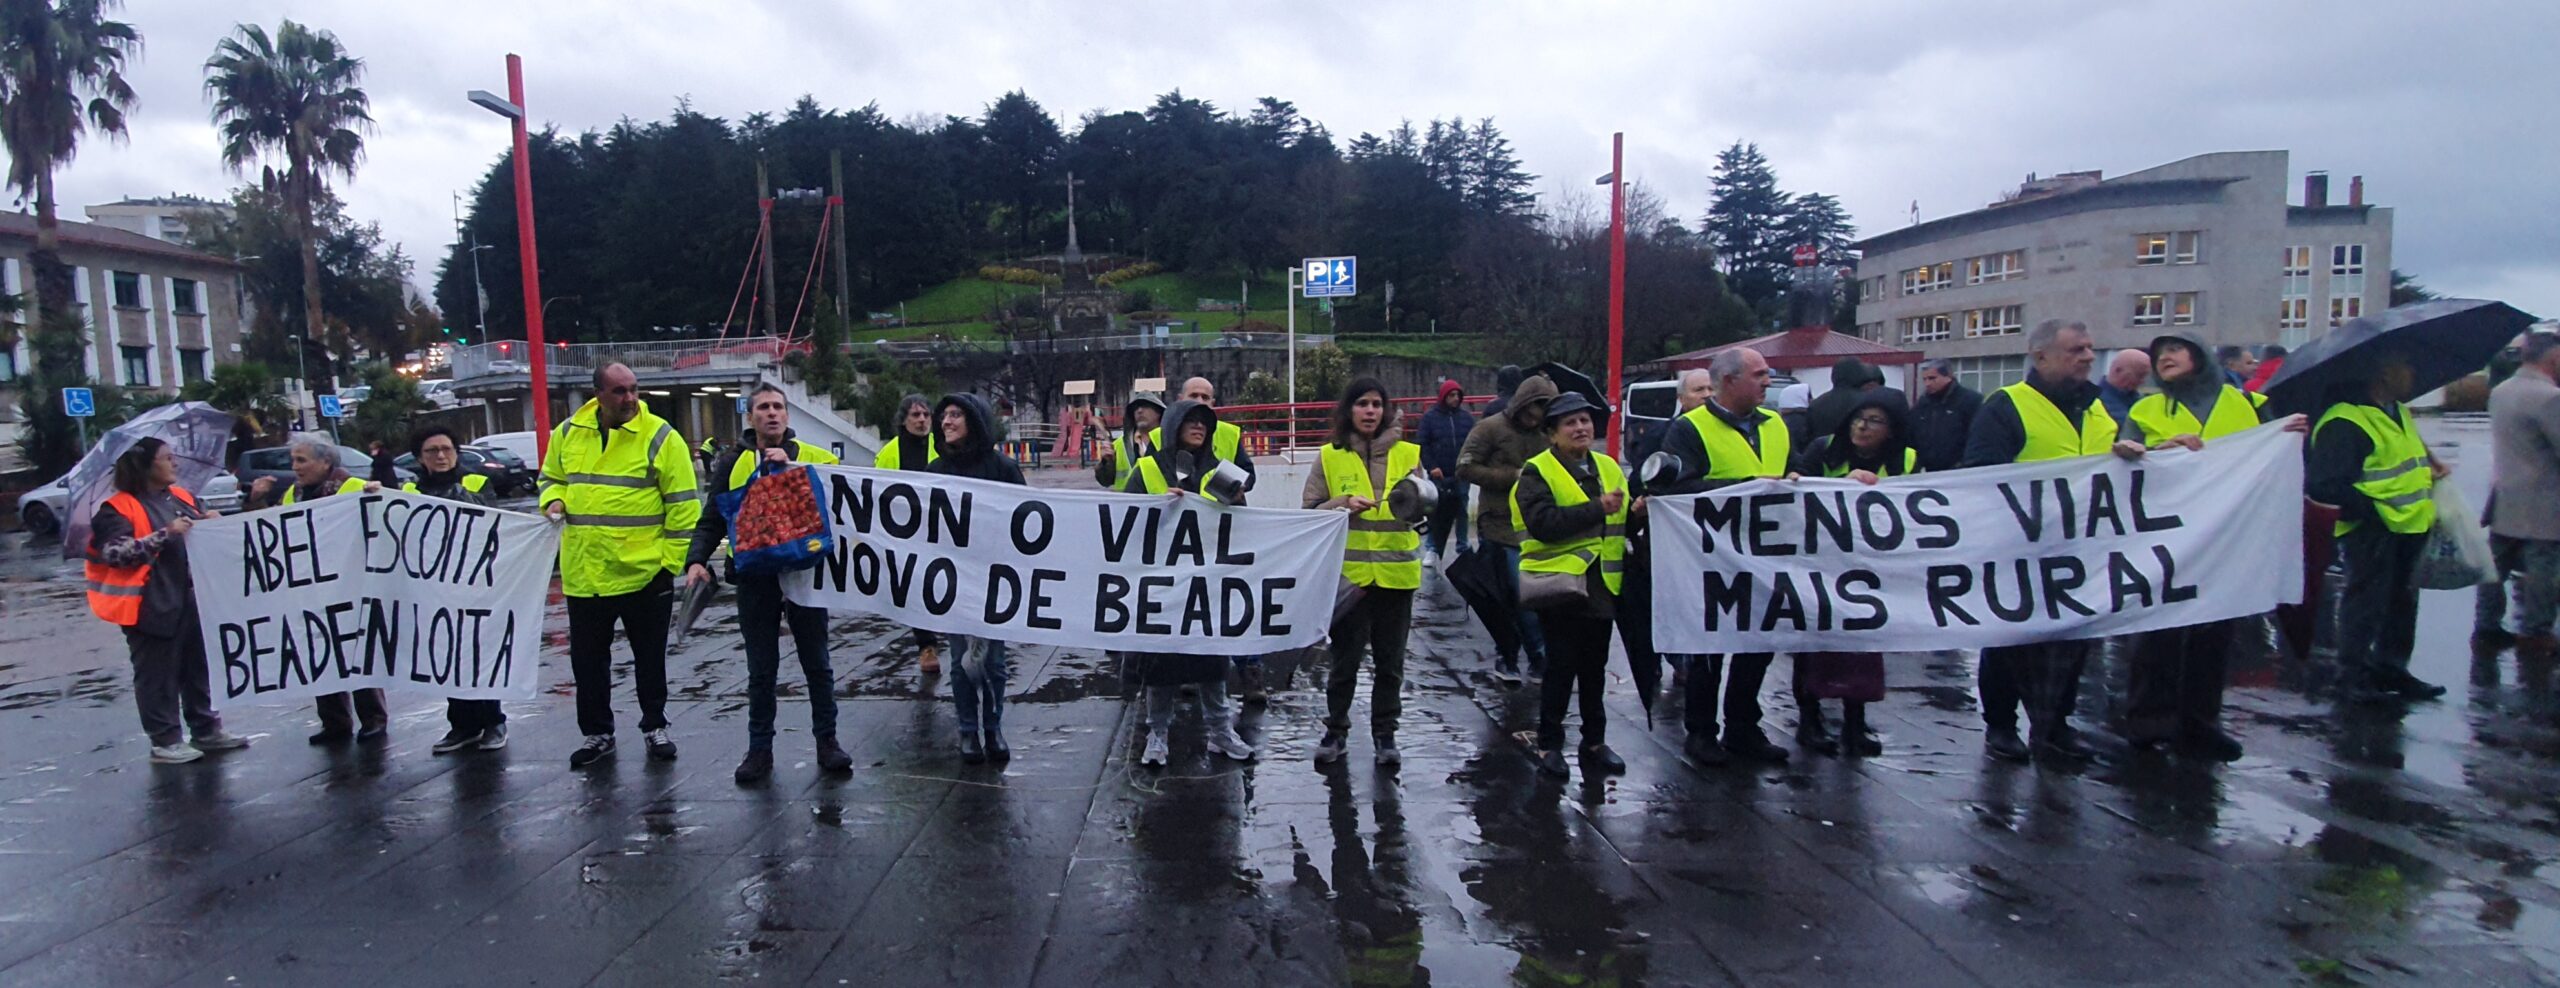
x: 915, y: 448
x: 1355, y: 471
x: 1184, y: 464
x: 2174, y: 690
x: 1491, y: 459
x: 969, y: 449
x: 1505, y: 381
x: 1444, y: 430
x: 1852, y: 380
x: 1872, y: 443
x: 1139, y: 418
x: 477, y: 725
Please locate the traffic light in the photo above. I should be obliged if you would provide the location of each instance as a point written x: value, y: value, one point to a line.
x: 446, y: 330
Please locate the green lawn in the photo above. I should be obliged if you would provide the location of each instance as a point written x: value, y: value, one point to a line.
x: 964, y: 299
x: 1456, y: 348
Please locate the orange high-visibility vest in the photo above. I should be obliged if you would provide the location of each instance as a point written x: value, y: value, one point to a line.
x: 115, y: 594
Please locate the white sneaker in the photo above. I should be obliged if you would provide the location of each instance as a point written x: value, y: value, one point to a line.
x: 1155, y: 754
x: 1227, y: 743
x: 175, y: 754
x: 220, y: 741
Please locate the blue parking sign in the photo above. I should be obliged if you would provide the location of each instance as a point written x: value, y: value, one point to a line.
x: 79, y: 403
x: 330, y: 408
x: 1332, y: 277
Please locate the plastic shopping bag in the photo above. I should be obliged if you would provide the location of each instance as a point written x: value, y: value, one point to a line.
x: 2457, y: 553
x: 778, y: 522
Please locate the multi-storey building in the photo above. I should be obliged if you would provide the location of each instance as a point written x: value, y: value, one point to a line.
x: 2208, y: 246
x: 159, y: 314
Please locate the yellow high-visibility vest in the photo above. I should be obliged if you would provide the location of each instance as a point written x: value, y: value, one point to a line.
x: 1608, y: 547
x: 631, y: 498
x: 2396, y: 474
x: 2162, y: 417
x: 2050, y: 435
x: 1382, y: 552
x: 1730, y: 456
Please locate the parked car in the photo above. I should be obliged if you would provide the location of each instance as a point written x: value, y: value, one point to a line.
x: 351, y: 397
x: 277, y: 462
x: 505, y: 479
x: 41, y: 510
x: 520, y: 445
x: 439, y: 393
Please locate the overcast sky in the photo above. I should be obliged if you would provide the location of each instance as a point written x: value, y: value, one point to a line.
x: 2446, y: 108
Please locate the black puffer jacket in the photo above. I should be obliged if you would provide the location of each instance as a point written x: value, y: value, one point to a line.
x: 975, y: 455
x: 1836, y: 452
x: 1172, y: 461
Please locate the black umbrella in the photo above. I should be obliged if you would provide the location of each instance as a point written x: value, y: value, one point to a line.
x: 1477, y: 576
x: 2444, y: 341
x: 1571, y: 381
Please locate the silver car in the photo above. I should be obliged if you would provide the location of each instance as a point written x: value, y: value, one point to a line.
x: 41, y: 510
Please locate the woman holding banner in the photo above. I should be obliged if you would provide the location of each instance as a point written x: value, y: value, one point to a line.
x: 138, y: 579
x: 915, y: 449
x: 478, y: 725
x: 1871, y: 444
x: 1571, y: 508
x: 2174, y: 690
x: 1365, y: 460
x: 317, y: 473
x: 1188, y: 463
x: 977, y: 664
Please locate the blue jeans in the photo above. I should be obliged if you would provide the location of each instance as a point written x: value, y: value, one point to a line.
x: 761, y: 609
x: 1450, y: 513
x: 1533, y: 636
x: 978, y: 699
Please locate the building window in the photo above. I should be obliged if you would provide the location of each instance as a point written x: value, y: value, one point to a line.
x: 1987, y: 374
x: 2297, y: 271
x: 137, y: 365
x: 1998, y: 320
x: 188, y: 302
x: 8, y: 364
x: 2186, y: 247
x: 191, y: 366
x: 2183, y: 308
x: 2346, y: 272
x: 2151, y: 248
x: 128, y: 289
x: 2293, y: 313
x: 1929, y: 278
x: 2150, y: 310
x: 1995, y: 267
x: 2343, y: 308
x: 1871, y: 289
x: 1922, y: 329
x: 1873, y: 331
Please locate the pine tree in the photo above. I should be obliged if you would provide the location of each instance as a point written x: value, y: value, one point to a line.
x: 1747, y: 223
x: 1817, y: 219
x: 1495, y: 184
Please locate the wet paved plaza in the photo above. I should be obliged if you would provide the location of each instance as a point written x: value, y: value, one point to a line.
x: 2355, y: 848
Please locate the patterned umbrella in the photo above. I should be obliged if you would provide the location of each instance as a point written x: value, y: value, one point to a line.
x: 197, y: 432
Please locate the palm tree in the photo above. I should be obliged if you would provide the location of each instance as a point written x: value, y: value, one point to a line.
x: 293, y: 96
x: 61, y: 75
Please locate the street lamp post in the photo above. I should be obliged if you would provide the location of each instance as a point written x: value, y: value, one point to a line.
x: 512, y: 108
x: 1616, y: 180
x: 301, y: 382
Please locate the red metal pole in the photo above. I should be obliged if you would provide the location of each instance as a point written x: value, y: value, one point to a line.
x: 1617, y: 275
x: 537, y: 367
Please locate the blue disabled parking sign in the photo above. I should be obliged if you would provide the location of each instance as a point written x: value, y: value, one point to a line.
x: 1332, y: 277
x: 79, y: 403
x: 330, y: 408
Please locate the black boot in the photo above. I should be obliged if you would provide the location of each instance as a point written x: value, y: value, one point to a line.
x: 971, y: 750
x: 1854, y: 736
x: 1598, y: 760
x: 2003, y: 743
x: 1811, y: 733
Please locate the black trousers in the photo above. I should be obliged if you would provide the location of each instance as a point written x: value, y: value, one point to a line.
x: 341, y: 712
x: 172, y: 689
x: 2378, y: 613
x: 1577, y: 663
x: 1741, y: 694
x: 2174, y: 689
x: 467, y: 716
x: 2043, y: 677
x: 762, y: 610
x: 1377, y: 625
x: 643, y: 615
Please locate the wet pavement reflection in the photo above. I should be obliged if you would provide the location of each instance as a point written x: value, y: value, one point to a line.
x: 2349, y: 847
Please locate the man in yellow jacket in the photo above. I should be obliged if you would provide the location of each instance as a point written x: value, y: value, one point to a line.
x: 621, y: 482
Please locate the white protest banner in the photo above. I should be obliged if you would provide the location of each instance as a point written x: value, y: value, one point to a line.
x: 391, y: 590
x: 2055, y: 550
x: 1163, y: 573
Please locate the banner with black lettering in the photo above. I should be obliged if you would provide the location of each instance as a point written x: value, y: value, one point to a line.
x: 362, y: 590
x: 2055, y: 550
x: 1165, y: 573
